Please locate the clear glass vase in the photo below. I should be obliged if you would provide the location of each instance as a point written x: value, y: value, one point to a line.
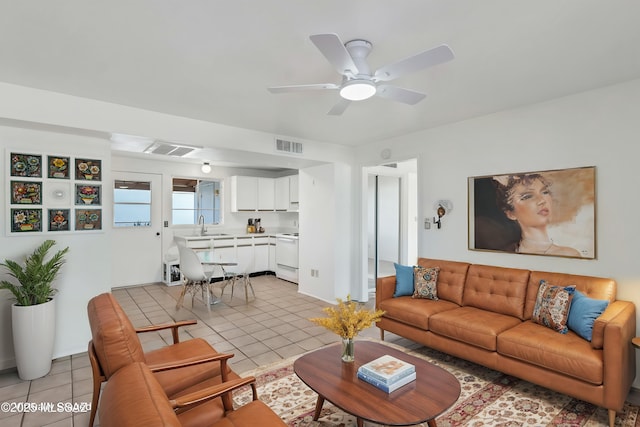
x: 348, y: 350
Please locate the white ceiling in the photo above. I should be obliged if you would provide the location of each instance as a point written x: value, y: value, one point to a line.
x: 213, y: 60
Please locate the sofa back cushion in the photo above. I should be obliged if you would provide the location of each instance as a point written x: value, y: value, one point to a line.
x: 114, y: 337
x: 498, y: 289
x: 451, y: 278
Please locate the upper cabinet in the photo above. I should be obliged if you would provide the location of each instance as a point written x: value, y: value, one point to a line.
x: 266, y: 194
x: 250, y: 193
x: 244, y: 193
x: 293, y: 191
x: 282, y: 193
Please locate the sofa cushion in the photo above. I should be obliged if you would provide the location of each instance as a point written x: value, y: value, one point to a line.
x: 414, y: 312
x: 593, y: 287
x: 497, y: 289
x: 568, y: 353
x: 425, y: 282
x: 583, y: 313
x: 404, y: 280
x: 552, y: 306
x: 472, y: 326
x: 451, y: 278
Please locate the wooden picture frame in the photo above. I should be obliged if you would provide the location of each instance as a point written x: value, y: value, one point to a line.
x: 88, y: 169
x: 549, y: 213
x: 26, y: 220
x: 58, y: 167
x: 59, y: 220
x: 26, y: 192
x: 88, y: 219
x: 25, y: 165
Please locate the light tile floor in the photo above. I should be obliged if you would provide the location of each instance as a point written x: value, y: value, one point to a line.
x: 271, y: 327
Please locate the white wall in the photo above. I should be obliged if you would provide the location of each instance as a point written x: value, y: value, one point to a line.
x: 597, y: 128
x: 87, y: 270
x: 326, y: 232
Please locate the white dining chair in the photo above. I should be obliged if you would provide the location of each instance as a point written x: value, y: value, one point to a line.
x: 195, y: 277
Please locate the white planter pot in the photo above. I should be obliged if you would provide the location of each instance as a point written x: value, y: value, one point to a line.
x: 33, y: 336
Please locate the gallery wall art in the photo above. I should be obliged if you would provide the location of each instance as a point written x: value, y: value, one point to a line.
x: 550, y: 213
x: 53, y: 193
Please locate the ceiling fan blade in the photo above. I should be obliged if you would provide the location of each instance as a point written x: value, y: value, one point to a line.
x: 333, y: 49
x: 422, y: 60
x: 339, y: 108
x: 399, y: 94
x: 300, y: 88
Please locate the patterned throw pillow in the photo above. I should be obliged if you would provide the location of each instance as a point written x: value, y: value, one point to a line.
x: 425, y: 280
x: 552, y: 306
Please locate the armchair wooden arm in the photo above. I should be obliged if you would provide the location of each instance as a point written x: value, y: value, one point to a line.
x: 173, y: 326
x: 213, y: 392
x: 222, y: 357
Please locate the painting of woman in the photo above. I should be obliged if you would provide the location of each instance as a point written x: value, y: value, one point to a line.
x: 543, y: 213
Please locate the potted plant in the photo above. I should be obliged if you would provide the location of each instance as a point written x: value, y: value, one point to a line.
x: 33, y: 313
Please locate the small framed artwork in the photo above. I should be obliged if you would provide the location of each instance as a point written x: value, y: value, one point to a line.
x: 88, y: 219
x: 26, y: 193
x: 550, y: 213
x: 26, y: 220
x: 26, y: 165
x: 58, y: 167
x: 59, y: 219
x: 88, y: 195
x: 89, y: 169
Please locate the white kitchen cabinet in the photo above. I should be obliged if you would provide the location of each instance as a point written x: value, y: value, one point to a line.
x: 244, y: 193
x: 272, y: 254
x: 293, y: 190
x: 245, y: 255
x: 282, y: 193
x: 261, y: 254
x: 266, y: 194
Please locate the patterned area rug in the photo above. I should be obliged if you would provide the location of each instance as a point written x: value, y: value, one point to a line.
x: 487, y: 398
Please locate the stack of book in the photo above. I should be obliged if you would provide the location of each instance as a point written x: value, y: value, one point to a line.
x: 387, y: 373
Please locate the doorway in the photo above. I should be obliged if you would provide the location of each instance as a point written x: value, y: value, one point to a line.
x: 137, y: 229
x: 391, y: 217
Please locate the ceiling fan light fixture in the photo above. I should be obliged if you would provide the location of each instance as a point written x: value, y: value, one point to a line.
x: 206, y: 167
x: 358, y: 90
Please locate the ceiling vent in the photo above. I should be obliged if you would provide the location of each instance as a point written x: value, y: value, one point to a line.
x: 170, y: 149
x: 289, y: 147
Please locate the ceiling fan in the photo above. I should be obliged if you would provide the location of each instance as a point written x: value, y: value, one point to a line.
x: 358, y: 82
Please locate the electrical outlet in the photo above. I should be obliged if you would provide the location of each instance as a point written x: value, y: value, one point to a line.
x: 427, y: 223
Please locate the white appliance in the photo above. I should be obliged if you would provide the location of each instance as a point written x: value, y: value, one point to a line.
x: 287, y: 256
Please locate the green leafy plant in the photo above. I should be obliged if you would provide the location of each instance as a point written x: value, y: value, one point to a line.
x: 35, y: 276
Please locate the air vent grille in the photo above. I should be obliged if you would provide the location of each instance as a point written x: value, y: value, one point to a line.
x: 290, y: 147
x: 169, y: 149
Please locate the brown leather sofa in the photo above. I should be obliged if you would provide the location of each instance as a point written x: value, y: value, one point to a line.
x: 133, y: 398
x: 180, y: 368
x: 484, y: 313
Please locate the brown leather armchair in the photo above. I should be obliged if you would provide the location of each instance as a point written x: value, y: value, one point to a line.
x: 179, y: 368
x: 133, y: 397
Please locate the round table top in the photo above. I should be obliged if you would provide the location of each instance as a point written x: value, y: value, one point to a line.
x: 432, y: 393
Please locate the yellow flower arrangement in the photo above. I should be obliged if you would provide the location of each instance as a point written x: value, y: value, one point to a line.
x: 346, y: 319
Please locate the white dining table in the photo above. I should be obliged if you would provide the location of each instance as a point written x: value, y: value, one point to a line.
x: 208, y: 258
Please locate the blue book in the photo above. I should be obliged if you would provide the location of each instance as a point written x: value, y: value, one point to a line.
x: 387, y: 369
x: 388, y: 387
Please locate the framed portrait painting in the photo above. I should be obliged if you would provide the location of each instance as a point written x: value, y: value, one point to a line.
x: 549, y: 213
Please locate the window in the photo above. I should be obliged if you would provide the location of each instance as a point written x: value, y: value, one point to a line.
x: 132, y: 204
x: 192, y: 198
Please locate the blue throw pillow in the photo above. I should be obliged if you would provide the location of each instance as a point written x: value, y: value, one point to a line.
x: 404, y: 280
x: 583, y: 313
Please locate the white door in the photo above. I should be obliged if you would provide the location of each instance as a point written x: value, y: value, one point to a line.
x: 137, y: 229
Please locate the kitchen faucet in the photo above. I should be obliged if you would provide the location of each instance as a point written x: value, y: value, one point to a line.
x: 201, y: 222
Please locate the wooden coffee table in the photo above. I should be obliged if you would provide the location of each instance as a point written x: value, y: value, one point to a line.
x: 432, y: 393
